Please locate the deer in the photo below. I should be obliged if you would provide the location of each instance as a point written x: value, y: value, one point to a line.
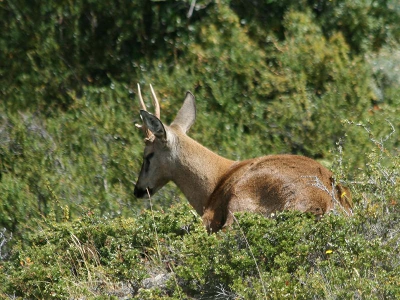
x: 217, y: 187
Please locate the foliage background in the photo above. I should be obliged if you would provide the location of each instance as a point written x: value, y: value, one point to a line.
x: 318, y: 78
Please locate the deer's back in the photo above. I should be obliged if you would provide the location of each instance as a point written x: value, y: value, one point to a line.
x: 272, y: 183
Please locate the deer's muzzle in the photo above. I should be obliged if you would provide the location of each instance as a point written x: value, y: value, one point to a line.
x: 141, y: 193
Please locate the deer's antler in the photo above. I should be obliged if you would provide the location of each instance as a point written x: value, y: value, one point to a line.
x: 149, y: 135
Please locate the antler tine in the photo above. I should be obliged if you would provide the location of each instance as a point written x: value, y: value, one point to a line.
x: 155, y: 102
x: 142, y: 105
x: 148, y: 133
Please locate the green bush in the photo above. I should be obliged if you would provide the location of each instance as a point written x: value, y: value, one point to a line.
x: 318, y: 78
x: 291, y: 255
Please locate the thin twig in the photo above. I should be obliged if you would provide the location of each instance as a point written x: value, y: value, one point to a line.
x: 252, y: 255
x: 155, y: 227
x: 320, y: 185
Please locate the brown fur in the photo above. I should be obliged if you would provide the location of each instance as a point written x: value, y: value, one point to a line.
x: 217, y: 187
x: 273, y: 183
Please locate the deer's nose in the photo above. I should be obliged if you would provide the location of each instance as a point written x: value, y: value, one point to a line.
x: 139, y: 193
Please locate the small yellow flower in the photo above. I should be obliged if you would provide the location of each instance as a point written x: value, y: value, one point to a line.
x: 328, y: 251
x: 26, y: 262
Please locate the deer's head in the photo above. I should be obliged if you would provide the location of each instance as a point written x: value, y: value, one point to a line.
x: 160, y: 152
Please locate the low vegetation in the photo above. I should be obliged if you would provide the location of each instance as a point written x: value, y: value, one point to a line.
x: 169, y: 255
x: 318, y: 78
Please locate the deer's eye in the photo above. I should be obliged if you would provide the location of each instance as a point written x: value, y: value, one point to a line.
x: 148, y: 157
x: 147, y: 161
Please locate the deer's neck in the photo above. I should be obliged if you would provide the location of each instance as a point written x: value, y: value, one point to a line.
x: 198, y: 171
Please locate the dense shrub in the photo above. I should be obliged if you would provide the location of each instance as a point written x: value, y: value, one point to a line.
x: 319, y: 78
x: 289, y: 255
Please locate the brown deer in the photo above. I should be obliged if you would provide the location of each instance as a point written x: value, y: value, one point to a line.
x: 217, y: 187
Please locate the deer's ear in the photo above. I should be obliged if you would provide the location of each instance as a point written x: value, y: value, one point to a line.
x: 153, y: 124
x: 187, y: 114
